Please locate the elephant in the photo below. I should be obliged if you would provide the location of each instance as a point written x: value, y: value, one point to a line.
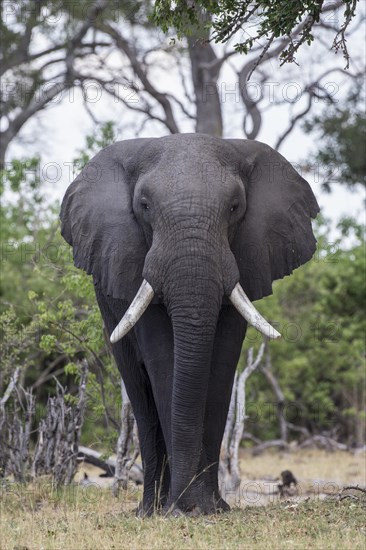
x: 181, y: 233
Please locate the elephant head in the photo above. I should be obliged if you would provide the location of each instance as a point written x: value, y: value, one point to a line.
x: 191, y: 222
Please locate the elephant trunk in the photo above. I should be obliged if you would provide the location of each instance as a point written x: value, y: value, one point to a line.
x: 193, y: 301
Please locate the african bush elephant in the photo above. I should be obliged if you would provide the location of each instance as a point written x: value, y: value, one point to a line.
x: 181, y: 233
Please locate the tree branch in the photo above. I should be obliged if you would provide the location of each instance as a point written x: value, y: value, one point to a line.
x: 10, y: 388
x: 340, y: 42
x: 136, y: 66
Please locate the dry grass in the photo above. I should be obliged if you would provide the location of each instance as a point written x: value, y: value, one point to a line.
x: 319, y: 474
x: 338, y: 467
x: 38, y: 517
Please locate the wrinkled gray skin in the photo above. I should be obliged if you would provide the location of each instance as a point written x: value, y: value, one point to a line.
x: 193, y: 215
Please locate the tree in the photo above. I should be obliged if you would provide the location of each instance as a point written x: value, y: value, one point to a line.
x: 342, y: 134
x: 319, y: 362
x: 103, y: 51
x: 48, y: 315
x: 271, y: 20
x: 42, y: 44
x: 52, y: 49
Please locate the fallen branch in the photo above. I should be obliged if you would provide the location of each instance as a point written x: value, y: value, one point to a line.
x: 95, y: 458
x: 90, y: 456
x: 323, y: 442
x: 341, y: 496
x: 251, y: 437
x: 267, y: 444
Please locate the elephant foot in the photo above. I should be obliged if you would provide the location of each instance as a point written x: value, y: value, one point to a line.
x: 143, y: 511
x: 208, y: 506
x: 221, y: 505
x: 148, y: 506
x: 177, y: 512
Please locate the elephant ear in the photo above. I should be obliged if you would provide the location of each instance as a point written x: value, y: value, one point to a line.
x: 275, y: 236
x: 99, y: 223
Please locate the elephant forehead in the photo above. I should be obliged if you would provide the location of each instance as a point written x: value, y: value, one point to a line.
x: 192, y: 181
x: 189, y: 165
x: 200, y: 151
x: 178, y: 171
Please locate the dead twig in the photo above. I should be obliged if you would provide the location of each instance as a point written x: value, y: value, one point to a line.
x: 342, y: 496
x: 10, y: 388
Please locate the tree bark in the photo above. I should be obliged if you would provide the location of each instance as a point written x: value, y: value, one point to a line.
x: 268, y: 373
x: 205, y: 68
x: 229, y: 470
x: 127, y: 444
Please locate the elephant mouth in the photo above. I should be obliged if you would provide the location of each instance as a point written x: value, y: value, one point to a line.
x: 237, y: 297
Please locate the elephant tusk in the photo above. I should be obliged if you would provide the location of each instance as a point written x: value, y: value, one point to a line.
x: 245, y: 307
x: 142, y: 299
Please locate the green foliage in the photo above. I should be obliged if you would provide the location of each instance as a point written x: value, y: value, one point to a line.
x: 319, y: 361
x: 31, y: 249
x: 48, y: 313
x: 341, y: 132
x: 104, y: 136
x: 273, y: 19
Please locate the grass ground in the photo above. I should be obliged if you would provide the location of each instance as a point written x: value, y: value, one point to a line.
x: 39, y: 517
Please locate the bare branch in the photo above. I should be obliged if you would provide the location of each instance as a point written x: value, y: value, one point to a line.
x: 136, y: 66
x: 354, y: 488
x: 242, y: 17
x: 280, y: 443
x: 251, y: 106
x: 229, y: 456
x: 340, y: 42
x: 110, y: 89
x: 218, y: 62
x: 182, y: 107
x: 11, y: 386
x: 261, y: 57
x: 37, y: 104
x: 182, y: 77
x: 294, y: 120
x: 252, y: 365
x: 34, y: 106
x: 313, y: 91
x: 268, y: 373
x: 127, y: 447
x: 15, y: 60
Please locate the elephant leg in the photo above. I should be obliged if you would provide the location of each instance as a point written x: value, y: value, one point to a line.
x: 230, y: 334
x: 155, y: 337
x: 156, y: 343
x: 139, y: 390
x: 152, y: 443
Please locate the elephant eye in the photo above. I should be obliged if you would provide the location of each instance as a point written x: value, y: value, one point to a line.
x: 144, y: 204
x: 234, y: 207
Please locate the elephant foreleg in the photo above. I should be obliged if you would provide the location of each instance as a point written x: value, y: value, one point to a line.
x: 138, y: 386
x: 227, y: 347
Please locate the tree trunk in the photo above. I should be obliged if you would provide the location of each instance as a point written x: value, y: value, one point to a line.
x: 127, y: 444
x: 205, y: 68
x: 229, y: 471
x: 268, y: 373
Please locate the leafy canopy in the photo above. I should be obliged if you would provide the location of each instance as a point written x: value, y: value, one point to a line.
x: 341, y: 131
x: 271, y: 19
